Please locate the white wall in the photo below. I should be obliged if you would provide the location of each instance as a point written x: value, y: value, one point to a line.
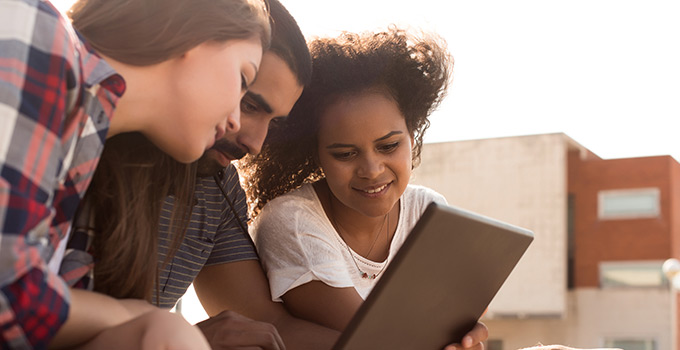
x: 522, y: 181
x: 592, y: 316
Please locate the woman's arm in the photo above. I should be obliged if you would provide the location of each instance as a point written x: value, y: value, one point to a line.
x: 158, y: 329
x: 34, y: 94
x: 91, y: 313
x: 96, y: 319
x: 335, y: 307
x: 242, y: 287
x: 328, y: 306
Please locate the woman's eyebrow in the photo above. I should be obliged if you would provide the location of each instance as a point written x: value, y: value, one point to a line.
x: 396, y: 132
x: 346, y: 145
x: 339, y: 145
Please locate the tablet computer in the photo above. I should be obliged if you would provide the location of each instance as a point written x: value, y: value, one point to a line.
x: 439, y: 283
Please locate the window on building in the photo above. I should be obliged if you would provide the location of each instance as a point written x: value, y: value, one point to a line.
x: 494, y: 344
x: 631, y: 344
x: 635, y: 274
x: 629, y: 203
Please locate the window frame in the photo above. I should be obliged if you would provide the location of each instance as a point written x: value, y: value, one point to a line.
x: 650, y: 343
x: 650, y: 265
x: 604, y: 195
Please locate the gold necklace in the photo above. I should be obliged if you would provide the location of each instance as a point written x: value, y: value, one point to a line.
x: 337, y: 227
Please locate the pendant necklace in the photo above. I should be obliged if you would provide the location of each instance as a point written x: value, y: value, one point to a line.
x: 338, y: 228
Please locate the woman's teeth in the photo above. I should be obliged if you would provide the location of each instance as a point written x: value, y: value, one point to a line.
x: 376, y: 190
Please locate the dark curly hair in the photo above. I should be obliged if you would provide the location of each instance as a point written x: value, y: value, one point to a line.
x: 413, y: 70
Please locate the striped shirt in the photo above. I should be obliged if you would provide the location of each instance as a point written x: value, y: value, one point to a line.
x: 214, y: 236
x: 53, y: 122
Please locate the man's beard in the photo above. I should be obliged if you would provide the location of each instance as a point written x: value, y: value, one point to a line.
x: 208, y: 166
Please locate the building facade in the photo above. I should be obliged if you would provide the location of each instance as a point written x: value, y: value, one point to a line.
x: 603, y: 228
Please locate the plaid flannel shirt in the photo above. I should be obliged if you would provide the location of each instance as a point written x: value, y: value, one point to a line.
x: 56, y: 99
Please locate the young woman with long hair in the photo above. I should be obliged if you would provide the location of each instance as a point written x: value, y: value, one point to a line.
x: 174, y: 71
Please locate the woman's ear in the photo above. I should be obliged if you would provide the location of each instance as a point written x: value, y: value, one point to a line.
x: 195, y: 51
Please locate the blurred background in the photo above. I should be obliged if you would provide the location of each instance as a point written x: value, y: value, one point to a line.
x: 604, y: 72
x: 562, y: 118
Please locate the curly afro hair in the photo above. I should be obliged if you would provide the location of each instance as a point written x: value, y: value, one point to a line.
x: 413, y: 70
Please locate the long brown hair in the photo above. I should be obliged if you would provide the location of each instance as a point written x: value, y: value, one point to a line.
x: 127, y: 192
x: 134, y: 177
x: 145, y: 32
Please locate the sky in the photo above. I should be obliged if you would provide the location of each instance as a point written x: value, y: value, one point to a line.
x: 604, y: 72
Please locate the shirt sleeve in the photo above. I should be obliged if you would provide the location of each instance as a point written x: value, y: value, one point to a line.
x: 419, y: 197
x: 296, y: 248
x: 33, y: 97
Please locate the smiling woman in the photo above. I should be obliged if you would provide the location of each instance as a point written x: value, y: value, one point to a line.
x: 339, y: 168
x: 283, y: 166
x: 366, y: 160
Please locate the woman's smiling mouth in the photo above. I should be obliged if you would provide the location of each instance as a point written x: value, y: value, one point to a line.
x: 374, y: 190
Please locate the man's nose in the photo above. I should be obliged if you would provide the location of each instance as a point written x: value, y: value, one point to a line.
x: 255, y: 136
x: 234, y: 121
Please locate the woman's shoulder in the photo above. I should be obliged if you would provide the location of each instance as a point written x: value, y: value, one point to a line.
x: 290, y: 218
x: 415, y: 200
x: 422, y: 194
x: 297, y: 206
x: 300, y: 199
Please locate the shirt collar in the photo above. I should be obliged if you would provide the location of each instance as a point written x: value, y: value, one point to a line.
x: 97, y: 71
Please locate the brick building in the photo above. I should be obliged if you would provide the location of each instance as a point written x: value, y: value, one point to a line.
x: 603, y: 229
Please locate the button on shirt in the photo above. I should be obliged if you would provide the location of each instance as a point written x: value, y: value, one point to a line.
x: 56, y: 99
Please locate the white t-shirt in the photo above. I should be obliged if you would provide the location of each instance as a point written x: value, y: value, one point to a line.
x: 298, y: 244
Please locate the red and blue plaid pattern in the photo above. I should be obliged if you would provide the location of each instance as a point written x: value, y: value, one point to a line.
x: 56, y: 99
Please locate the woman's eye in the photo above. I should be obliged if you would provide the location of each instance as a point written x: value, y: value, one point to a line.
x: 244, y: 83
x: 343, y: 155
x: 389, y: 147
